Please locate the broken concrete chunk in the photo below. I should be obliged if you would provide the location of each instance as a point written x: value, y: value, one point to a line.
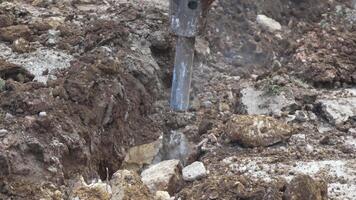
x: 139, y: 156
x: 94, y: 191
x: 165, y: 176
x: 303, y: 187
x: 128, y: 185
x: 257, y: 130
x: 194, y: 171
x: 268, y: 23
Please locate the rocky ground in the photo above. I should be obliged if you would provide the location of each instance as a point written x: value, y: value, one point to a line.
x: 84, y: 111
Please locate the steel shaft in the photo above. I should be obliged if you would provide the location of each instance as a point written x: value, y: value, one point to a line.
x: 182, y: 74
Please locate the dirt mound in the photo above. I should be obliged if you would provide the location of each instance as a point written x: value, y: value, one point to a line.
x: 81, y: 123
x: 326, y: 55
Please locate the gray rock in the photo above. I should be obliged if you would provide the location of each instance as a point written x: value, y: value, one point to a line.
x: 207, y: 104
x: 3, y: 132
x: 53, y: 36
x: 301, y: 116
x: 256, y: 102
x: 298, y: 139
x: 163, y: 176
x: 268, y: 23
x: 338, y: 109
x: 194, y: 171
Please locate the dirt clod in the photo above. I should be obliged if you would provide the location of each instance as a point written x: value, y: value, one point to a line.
x: 304, y: 187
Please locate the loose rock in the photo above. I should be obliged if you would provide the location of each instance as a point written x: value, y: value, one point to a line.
x: 256, y: 102
x: 127, y: 185
x: 338, y: 110
x: 268, y: 23
x: 257, y: 130
x: 303, y: 187
x: 194, y: 171
x: 94, y: 191
x: 162, y: 195
x: 165, y: 176
x: 42, y: 114
x: 21, y: 46
x: 139, y: 156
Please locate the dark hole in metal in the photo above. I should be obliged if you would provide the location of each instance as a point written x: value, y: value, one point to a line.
x: 193, y: 5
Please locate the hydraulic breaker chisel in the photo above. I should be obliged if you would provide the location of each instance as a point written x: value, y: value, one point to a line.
x: 187, y: 20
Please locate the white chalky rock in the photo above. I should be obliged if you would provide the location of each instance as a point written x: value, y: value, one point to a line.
x: 3, y: 132
x: 164, y: 176
x: 268, y: 23
x: 162, y: 195
x: 42, y: 114
x: 194, y: 171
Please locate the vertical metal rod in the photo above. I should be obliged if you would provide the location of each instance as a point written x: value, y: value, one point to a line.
x: 182, y: 73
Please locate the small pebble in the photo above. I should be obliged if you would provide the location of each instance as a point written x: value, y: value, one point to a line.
x: 3, y: 132
x: 43, y: 114
x: 8, y: 116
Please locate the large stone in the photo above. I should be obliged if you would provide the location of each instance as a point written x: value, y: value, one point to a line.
x: 95, y: 191
x: 127, y: 185
x: 268, y: 23
x: 164, y: 176
x: 303, y: 187
x: 139, y: 156
x: 339, y: 107
x: 11, y: 33
x: 256, y: 102
x: 257, y: 130
x: 194, y: 171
